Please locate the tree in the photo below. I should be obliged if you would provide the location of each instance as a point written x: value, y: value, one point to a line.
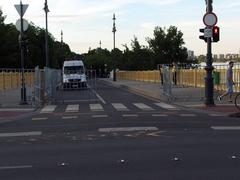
x: 167, y: 45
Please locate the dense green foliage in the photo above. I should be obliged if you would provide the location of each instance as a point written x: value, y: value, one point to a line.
x: 35, y: 47
x: 165, y: 47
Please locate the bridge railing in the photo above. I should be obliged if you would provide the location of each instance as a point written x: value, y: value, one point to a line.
x: 192, y: 77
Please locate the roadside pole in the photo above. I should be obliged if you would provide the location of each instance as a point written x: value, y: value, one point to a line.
x: 209, y: 88
x: 21, y: 8
x: 210, y: 20
x: 114, y: 46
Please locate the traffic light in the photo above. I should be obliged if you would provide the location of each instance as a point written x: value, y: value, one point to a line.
x: 202, y: 36
x: 215, y: 33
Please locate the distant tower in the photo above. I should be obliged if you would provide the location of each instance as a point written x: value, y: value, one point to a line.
x: 61, y: 36
x: 100, y: 44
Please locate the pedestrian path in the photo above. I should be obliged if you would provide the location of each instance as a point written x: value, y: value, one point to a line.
x: 97, y: 107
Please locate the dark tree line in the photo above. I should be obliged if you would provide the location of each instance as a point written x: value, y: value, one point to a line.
x: 35, y: 47
x: 165, y: 47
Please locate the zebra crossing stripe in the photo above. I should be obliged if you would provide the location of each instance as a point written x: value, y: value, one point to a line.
x: 96, y: 107
x: 48, y: 109
x: 72, y: 108
x: 143, y: 106
x: 120, y: 107
x: 166, y: 106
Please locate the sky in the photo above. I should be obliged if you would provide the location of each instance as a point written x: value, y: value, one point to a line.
x: 87, y: 22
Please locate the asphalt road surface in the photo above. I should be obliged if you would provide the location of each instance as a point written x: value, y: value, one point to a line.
x: 119, y: 135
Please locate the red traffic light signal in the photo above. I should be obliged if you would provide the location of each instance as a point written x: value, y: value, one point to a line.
x: 215, y: 33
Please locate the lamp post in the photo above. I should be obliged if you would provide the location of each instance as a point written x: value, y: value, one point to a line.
x: 46, y: 34
x: 114, y: 61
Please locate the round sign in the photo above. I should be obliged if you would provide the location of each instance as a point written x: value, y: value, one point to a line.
x: 18, y: 25
x: 210, y: 19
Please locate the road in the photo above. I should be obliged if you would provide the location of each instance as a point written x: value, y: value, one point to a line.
x: 111, y: 133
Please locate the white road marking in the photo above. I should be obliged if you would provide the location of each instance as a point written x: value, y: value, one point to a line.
x: 16, y: 134
x: 127, y: 129
x: 187, y: 115
x: 15, y: 167
x: 159, y: 115
x: 166, y: 106
x: 130, y: 115
x: 48, y: 109
x: 99, y: 97
x: 99, y: 116
x: 96, y: 107
x: 216, y: 115
x: 39, y: 119
x: 120, y: 107
x: 226, y: 127
x: 69, y: 117
x: 72, y: 108
x: 143, y: 106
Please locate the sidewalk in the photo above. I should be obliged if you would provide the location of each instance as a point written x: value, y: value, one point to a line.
x: 182, y: 96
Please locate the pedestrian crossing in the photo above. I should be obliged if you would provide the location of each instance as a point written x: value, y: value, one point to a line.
x: 120, y: 107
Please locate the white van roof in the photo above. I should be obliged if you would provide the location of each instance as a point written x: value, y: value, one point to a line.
x: 73, y: 63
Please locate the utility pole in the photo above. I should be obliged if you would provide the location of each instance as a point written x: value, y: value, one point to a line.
x: 114, y: 56
x: 61, y: 37
x: 209, y: 87
x: 46, y: 34
x: 21, y: 8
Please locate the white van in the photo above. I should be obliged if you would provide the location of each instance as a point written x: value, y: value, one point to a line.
x: 74, y: 74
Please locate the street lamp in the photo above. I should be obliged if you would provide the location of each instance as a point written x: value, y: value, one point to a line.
x: 46, y: 34
x: 114, y: 60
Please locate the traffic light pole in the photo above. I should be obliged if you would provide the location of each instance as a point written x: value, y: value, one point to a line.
x: 209, y: 87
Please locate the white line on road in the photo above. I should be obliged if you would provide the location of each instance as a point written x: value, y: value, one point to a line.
x: 187, y: 115
x: 72, y: 108
x: 16, y: 134
x: 226, y: 127
x: 48, y: 109
x: 166, y: 106
x: 130, y: 115
x: 99, y: 116
x: 69, y: 117
x: 39, y: 119
x: 120, y: 107
x: 127, y: 129
x: 99, y: 97
x: 15, y: 167
x: 96, y: 107
x: 143, y: 106
x: 159, y: 115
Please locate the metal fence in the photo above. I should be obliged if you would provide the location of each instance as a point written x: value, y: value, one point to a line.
x: 10, y: 86
x: 185, y: 76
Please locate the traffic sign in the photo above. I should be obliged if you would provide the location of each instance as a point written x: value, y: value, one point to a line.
x: 18, y: 25
x: 18, y: 8
x: 210, y: 19
x: 207, y: 33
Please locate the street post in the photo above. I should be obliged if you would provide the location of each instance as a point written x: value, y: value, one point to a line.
x: 114, y: 53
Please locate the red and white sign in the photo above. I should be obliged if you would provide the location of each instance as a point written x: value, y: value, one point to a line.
x: 210, y: 19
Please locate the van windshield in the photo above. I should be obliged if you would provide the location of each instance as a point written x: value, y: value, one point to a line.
x: 74, y: 70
